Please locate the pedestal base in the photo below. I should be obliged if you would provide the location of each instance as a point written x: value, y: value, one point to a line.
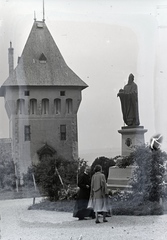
x: 119, y: 178
x: 131, y: 137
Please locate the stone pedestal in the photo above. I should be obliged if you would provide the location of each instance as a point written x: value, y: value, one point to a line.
x: 131, y: 137
x: 119, y: 178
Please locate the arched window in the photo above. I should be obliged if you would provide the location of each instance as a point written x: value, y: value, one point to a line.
x: 20, y: 106
x: 45, y: 106
x: 33, y: 106
x: 69, y: 105
x: 57, y: 106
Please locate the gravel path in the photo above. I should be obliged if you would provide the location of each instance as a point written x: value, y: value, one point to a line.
x: 18, y: 223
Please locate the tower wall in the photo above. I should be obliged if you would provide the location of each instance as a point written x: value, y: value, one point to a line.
x: 42, y: 96
x: 44, y: 128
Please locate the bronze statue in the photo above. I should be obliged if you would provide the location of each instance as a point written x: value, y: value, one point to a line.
x: 129, y: 102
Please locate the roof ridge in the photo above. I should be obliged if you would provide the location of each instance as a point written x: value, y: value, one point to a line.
x: 41, y: 62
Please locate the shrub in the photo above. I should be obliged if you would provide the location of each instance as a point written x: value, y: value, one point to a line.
x: 125, y: 161
x: 149, y: 173
x: 147, y: 183
x: 28, y: 177
x: 82, y: 164
x: 68, y: 194
x: 52, y: 175
x: 105, y: 163
x: 7, y: 175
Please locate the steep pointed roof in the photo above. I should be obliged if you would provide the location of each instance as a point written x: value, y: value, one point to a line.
x: 41, y: 63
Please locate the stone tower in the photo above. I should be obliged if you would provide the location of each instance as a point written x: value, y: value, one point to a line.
x: 42, y: 96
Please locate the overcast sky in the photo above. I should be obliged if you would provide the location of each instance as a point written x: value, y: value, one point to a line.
x: 102, y: 41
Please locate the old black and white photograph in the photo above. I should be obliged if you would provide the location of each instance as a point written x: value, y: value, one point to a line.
x: 83, y: 126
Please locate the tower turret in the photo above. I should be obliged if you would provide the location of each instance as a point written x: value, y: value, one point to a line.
x: 42, y: 97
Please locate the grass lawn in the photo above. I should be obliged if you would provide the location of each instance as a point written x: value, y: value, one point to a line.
x: 62, y: 206
x: 118, y: 208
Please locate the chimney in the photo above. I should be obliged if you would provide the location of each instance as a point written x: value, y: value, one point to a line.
x: 10, y: 59
x: 18, y: 60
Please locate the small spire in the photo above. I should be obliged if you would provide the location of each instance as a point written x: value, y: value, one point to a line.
x: 10, y: 59
x: 35, y: 16
x: 43, y: 11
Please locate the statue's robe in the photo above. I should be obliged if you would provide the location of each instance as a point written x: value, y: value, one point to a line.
x: 129, y: 104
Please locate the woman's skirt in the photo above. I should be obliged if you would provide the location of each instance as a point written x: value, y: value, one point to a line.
x: 99, y: 204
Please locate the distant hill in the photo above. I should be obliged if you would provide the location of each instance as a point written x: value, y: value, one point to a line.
x: 90, y: 155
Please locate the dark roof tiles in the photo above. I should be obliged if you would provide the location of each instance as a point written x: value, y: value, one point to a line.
x: 50, y: 70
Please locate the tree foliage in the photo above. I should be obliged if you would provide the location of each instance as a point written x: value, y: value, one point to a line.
x: 149, y: 172
x: 7, y: 175
x: 125, y: 161
x: 147, y: 183
x: 52, y: 175
x: 7, y: 168
x: 105, y: 163
x: 82, y: 164
x: 148, y: 175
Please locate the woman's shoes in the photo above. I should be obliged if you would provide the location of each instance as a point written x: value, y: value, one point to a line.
x: 97, y: 221
x: 105, y: 220
x: 82, y: 218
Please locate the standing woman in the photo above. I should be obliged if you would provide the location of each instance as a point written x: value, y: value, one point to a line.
x: 98, y: 194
